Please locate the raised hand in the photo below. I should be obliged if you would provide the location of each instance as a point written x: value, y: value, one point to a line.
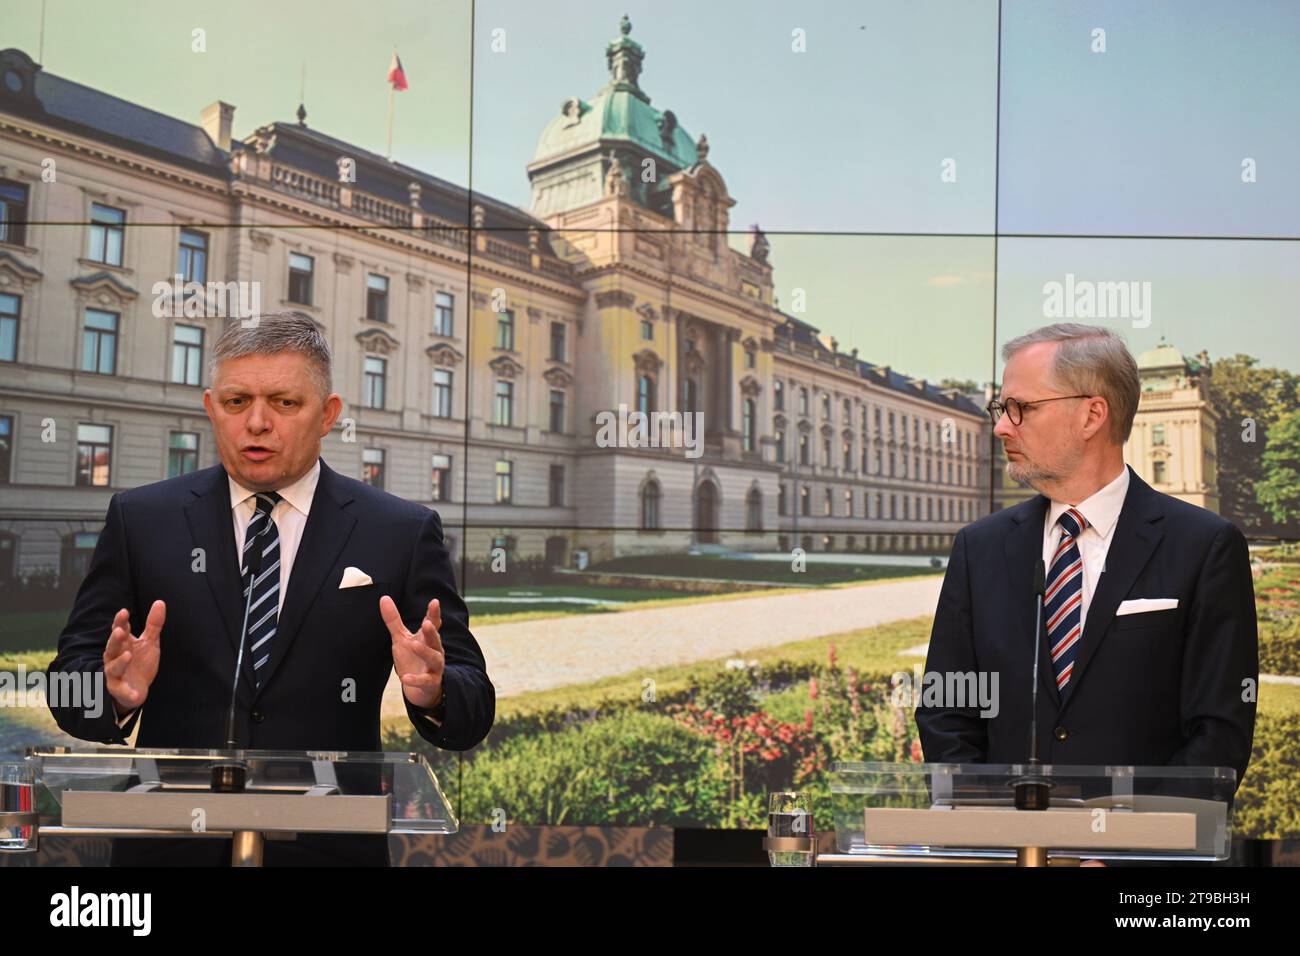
x: 417, y: 657
x: 130, y: 662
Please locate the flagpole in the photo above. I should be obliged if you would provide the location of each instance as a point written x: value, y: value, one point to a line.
x: 391, y: 96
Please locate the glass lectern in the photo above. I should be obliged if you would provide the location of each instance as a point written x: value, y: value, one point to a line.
x: 1028, y: 815
x: 240, y: 794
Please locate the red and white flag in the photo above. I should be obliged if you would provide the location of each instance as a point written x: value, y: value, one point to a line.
x: 396, y: 75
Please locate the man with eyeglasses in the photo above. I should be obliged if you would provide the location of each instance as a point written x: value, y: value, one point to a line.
x: 1149, y: 648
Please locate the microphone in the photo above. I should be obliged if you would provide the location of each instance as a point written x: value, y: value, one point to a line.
x: 229, y: 777
x: 1032, y: 788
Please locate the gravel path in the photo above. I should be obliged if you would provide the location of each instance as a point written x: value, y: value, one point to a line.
x: 537, y: 655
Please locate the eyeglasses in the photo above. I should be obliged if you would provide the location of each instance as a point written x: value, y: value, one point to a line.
x: 1016, y: 408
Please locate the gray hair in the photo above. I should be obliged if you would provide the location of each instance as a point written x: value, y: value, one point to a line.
x: 271, y: 334
x: 1090, y: 360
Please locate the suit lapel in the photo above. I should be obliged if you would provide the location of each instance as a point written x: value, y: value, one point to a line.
x: 1024, y: 546
x: 1137, y: 533
x: 326, y: 532
x: 212, y: 529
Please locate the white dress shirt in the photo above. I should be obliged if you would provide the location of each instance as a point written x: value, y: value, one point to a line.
x: 1101, y: 510
x: 289, y: 515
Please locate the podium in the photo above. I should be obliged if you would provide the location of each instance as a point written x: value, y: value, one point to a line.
x: 967, y: 814
x: 117, y: 792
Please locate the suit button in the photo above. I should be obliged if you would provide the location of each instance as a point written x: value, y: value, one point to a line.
x: 1060, y: 733
x: 257, y: 716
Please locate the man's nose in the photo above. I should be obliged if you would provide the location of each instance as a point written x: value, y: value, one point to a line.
x: 257, y: 420
x: 1004, y: 428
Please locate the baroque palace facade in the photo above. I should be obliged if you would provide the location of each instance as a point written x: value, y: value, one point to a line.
x: 476, y: 345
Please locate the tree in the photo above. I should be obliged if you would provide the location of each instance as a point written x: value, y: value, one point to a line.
x: 1250, y: 401
x: 1279, y: 492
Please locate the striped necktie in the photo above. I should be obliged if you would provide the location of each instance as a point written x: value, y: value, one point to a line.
x: 1063, y: 600
x: 262, y: 533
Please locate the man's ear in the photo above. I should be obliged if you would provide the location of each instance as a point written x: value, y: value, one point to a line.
x: 333, y: 409
x: 1098, y: 416
x: 207, y: 404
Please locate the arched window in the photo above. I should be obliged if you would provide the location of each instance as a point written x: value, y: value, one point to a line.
x: 754, y: 510
x: 645, y: 394
x: 650, y: 506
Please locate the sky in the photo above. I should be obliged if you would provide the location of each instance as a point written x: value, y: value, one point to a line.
x: 846, y: 135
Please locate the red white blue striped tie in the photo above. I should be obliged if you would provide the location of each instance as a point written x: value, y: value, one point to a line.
x: 1063, y: 600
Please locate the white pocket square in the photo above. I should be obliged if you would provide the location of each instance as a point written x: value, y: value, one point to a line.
x: 354, y: 578
x: 1139, y: 605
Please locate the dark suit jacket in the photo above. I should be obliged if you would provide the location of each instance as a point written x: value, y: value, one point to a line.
x: 1153, y: 688
x: 324, y: 637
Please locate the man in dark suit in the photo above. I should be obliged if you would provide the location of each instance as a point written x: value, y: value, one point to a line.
x: 1149, y: 652
x: 343, y: 567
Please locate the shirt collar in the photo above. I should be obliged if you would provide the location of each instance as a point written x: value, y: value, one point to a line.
x: 298, y: 494
x: 1101, y: 508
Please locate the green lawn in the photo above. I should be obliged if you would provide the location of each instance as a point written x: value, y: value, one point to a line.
x: 739, y: 569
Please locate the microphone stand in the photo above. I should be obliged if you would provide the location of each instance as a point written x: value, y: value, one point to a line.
x: 229, y: 776
x: 1032, y: 788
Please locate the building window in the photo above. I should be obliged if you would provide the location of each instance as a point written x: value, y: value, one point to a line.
x: 748, y: 413
x: 751, y: 359
x: 893, y: 507
x: 13, y: 212
x: 826, y: 452
x: 75, y: 555
x: 444, y: 310
x: 645, y: 394
x: 107, y: 229
x: 805, y: 501
x: 557, y: 411
x: 780, y: 447
x: 826, y: 405
x: 10, y: 308
x: 848, y: 413
x: 848, y: 504
x: 780, y: 500
x: 778, y: 395
x: 557, y: 341
x: 193, y: 259
x: 94, y: 454
x: 441, y: 478
x: 1158, y: 434
x: 803, y: 401
x: 182, y: 453
x: 650, y: 506
x: 1158, y: 472
x: 504, y: 489
x: 99, y: 342
x: 880, y: 504
x: 441, y: 393
x: 372, y: 387
x: 503, y: 409
x: 6, y: 447
x: 647, y: 330
x: 506, y: 330
x: 848, y: 456
x: 827, y: 506
x: 301, y: 269
x: 372, y: 467
x: 690, y: 396
x: 187, y: 354
x: 803, y: 449
x: 754, y: 510
x: 377, y: 298
x: 556, y: 486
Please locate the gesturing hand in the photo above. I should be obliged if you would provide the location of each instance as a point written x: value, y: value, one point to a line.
x: 417, y: 657
x: 130, y: 662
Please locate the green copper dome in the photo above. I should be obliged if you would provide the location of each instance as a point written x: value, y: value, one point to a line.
x: 619, y: 118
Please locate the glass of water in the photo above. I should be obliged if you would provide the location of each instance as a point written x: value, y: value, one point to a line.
x: 17, y: 807
x: 791, y: 840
